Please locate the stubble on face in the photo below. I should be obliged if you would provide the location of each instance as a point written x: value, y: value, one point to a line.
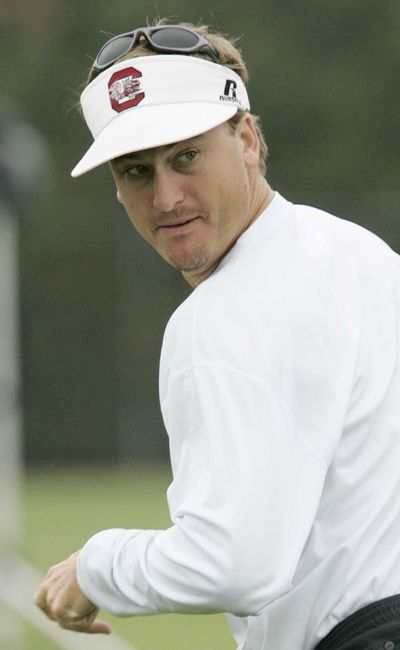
x: 196, y: 262
x: 198, y: 252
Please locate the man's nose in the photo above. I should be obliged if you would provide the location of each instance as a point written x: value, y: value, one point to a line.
x: 167, y: 190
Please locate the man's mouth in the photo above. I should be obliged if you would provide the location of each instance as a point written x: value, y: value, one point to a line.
x: 178, y: 225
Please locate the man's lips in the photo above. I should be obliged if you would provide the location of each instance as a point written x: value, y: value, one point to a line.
x: 177, y: 225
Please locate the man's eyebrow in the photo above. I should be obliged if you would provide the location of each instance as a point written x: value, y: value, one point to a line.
x: 128, y: 156
x: 137, y: 155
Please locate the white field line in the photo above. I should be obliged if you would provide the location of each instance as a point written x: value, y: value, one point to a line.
x: 18, y: 583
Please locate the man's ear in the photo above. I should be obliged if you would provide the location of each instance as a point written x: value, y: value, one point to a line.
x: 249, y: 137
x: 118, y: 194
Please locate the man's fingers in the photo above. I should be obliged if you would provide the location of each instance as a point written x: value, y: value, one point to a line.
x: 97, y: 627
x: 48, y: 613
x: 69, y: 619
x: 40, y: 597
x: 40, y: 601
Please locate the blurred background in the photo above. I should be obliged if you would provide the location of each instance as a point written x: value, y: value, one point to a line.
x: 85, y: 301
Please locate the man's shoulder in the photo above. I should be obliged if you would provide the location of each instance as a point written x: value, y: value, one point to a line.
x: 342, y: 226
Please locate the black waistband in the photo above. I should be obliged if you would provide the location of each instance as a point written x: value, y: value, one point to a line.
x: 377, y: 615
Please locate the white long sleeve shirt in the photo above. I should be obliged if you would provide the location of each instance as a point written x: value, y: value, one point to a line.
x: 280, y: 393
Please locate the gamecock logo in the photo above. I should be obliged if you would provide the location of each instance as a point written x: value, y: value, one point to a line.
x: 124, y: 89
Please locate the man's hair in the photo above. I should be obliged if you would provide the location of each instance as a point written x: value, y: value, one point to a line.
x: 230, y: 57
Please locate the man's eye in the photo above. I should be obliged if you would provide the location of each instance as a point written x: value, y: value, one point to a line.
x: 136, y: 170
x: 187, y: 156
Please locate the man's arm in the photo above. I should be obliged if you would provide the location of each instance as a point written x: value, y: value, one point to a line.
x: 244, y: 496
x: 245, y: 491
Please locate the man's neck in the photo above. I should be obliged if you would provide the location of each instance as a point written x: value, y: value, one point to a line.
x: 262, y: 197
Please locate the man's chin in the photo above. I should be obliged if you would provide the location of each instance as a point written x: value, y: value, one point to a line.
x: 193, y: 264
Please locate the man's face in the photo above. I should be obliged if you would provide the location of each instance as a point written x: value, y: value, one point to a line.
x: 191, y: 200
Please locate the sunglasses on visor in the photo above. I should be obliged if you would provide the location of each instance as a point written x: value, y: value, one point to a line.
x: 166, y: 39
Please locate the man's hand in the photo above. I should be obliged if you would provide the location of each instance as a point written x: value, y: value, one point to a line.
x: 62, y: 601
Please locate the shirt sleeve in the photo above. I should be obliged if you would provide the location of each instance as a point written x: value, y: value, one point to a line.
x: 244, y: 496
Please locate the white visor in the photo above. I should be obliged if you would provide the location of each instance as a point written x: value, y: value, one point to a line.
x: 151, y: 101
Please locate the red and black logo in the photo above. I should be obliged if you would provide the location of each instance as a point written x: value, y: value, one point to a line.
x: 124, y: 89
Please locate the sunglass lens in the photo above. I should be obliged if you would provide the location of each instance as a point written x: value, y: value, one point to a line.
x: 173, y: 37
x: 113, y: 50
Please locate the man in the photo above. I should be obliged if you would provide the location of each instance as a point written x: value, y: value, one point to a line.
x: 279, y: 380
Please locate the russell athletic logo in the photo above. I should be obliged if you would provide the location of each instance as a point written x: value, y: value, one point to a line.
x: 124, y: 89
x: 229, y: 92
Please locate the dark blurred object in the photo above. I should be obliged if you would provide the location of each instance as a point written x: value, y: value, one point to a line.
x: 23, y: 157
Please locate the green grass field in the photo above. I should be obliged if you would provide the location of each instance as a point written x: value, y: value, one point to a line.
x: 63, y: 507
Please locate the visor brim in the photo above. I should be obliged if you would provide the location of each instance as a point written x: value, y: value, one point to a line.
x: 152, y: 126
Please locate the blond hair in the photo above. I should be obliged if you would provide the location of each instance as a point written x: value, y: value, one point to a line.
x: 229, y: 56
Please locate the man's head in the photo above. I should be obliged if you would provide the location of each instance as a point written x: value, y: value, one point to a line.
x: 172, y: 117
